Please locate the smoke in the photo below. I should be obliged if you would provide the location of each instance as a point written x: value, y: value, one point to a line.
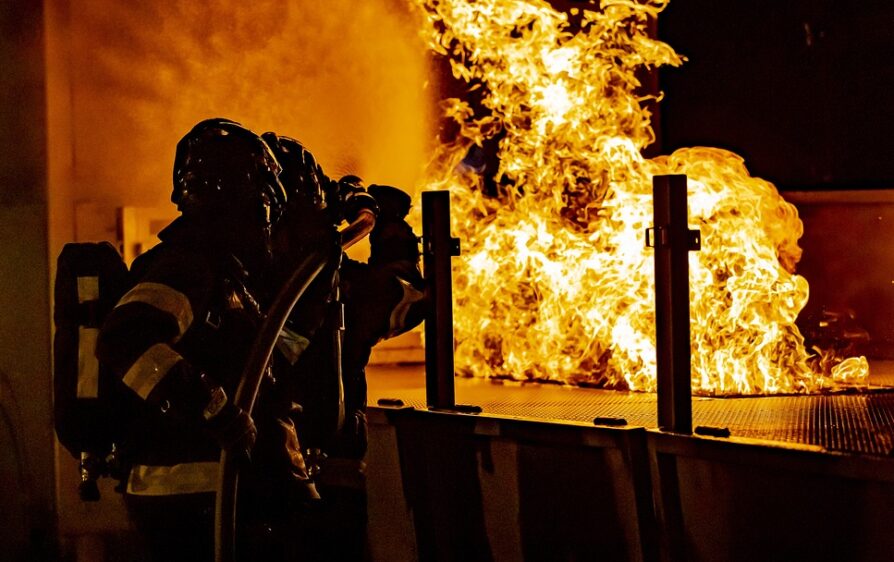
x: 345, y: 78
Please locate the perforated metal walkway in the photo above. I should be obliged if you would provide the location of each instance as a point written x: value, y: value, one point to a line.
x: 849, y: 422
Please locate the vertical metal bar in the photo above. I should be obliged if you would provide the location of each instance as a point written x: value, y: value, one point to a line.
x: 438, y: 249
x: 672, y: 240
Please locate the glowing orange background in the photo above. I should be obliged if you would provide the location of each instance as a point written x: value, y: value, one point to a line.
x: 346, y: 78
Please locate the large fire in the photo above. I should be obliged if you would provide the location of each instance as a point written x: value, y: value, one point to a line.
x: 555, y: 282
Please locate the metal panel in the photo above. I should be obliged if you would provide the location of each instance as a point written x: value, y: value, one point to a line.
x: 730, y: 500
x: 484, y: 488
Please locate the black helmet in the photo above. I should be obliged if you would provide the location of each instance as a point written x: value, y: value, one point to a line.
x: 222, y: 169
x: 301, y: 176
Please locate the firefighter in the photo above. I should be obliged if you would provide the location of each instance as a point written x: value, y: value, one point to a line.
x: 383, y: 298
x: 329, y: 339
x: 178, y: 339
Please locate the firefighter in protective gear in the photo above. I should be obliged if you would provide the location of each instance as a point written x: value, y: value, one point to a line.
x: 178, y: 339
x: 310, y: 221
x: 383, y: 298
x: 280, y: 491
x: 329, y: 338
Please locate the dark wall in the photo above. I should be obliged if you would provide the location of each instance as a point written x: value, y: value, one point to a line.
x: 23, y: 138
x: 801, y: 88
x: 26, y: 434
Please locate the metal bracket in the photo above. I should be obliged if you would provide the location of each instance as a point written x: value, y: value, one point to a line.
x: 453, y: 247
x: 658, y: 237
x: 712, y: 431
x: 609, y: 421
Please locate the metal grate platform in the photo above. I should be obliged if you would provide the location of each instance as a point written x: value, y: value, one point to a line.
x: 855, y: 423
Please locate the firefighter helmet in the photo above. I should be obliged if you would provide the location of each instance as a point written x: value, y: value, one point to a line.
x: 222, y: 169
x: 301, y: 176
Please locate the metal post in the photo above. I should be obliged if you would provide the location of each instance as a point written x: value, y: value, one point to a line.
x: 672, y: 240
x: 438, y: 249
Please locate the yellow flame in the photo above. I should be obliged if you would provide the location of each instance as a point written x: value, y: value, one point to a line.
x: 555, y: 282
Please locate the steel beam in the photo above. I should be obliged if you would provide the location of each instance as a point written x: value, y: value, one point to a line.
x: 672, y: 240
x: 438, y: 249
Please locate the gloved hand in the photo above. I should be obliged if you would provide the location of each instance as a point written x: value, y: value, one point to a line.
x: 234, y: 431
x: 299, y: 487
x: 354, y: 198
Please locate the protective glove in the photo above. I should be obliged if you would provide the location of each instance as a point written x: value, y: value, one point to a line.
x: 234, y: 431
x: 354, y: 198
x: 300, y: 487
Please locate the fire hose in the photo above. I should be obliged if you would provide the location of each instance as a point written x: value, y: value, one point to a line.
x: 250, y: 382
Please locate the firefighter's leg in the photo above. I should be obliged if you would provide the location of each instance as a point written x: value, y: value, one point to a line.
x: 341, y: 527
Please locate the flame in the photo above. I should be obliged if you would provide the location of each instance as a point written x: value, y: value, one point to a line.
x: 555, y: 282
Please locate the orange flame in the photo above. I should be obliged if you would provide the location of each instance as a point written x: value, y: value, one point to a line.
x: 555, y: 282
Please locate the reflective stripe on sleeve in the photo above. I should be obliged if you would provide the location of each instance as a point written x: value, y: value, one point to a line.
x: 88, y: 364
x: 88, y: 288
x: 163, y: 298
x: 412, y: 295
x: 148, y: 370
x: 185, y: 478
